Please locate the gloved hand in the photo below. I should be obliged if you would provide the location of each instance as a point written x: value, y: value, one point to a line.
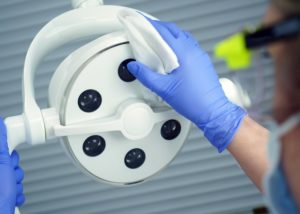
x: 11, y: 176
x: 193, y: 89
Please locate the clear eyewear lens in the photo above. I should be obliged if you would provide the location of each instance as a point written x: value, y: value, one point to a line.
x: 252, y: 88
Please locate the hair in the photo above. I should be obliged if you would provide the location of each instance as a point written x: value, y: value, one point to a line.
x: 287, y: 7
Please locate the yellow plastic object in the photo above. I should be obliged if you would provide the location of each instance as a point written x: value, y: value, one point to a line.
x: 234, y: 51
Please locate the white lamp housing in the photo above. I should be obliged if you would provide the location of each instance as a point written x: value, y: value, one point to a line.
x: 113, y: 128
x: 86, y: 3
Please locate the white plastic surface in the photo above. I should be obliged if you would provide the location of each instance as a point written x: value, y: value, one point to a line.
x: 86, y: 3
x: 123, y: 107
x: 61, y: 30
x: 134, y: 119
x: 51, y: 120
x: 16, y: 131
x: 127, y: 119
x: 74, y: 63
x: 66, y: 28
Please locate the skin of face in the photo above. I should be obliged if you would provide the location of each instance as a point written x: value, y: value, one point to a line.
x: 286, y: 57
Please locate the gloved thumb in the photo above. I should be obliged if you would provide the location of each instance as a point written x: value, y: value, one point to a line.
x: 3, y: 138
x: 145, y: 75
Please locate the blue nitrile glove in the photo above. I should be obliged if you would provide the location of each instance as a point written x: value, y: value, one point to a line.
x: 11, y: 176
x: 193, y: 89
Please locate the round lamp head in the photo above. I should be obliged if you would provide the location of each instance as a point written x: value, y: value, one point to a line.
x: 141, y: 136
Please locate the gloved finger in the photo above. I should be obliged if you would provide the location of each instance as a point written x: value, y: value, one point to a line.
x: 20, y: 200
x: 19, y: 189
x: 145, y: 75
x: 176, y: 31
x: 19, y: 173
x: 190, y: 37
x: 15, y: 159
x: 3, y: 138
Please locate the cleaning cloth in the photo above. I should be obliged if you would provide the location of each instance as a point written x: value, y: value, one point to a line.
x: 147, y: 44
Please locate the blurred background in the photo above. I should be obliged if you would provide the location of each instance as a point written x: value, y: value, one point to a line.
x: 200, y: 180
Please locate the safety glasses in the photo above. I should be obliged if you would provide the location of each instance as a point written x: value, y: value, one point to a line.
x: 237, y: 50
x: 247, y: 50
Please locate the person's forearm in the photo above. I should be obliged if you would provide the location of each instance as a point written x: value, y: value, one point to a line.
x: 249, y: 148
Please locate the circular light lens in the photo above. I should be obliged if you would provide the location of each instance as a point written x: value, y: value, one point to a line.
x: 94, y: 145
x: 135, y: 158
x: 170, y: 129
x: 124, y: 73
x: 89, y: 100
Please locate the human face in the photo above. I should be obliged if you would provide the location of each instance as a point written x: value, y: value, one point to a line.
x: 286, y: 57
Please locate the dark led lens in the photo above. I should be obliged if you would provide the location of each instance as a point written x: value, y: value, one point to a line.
x: 135, y: 158
x: 94, y: 145
x: 170, y: 129
x: 124, y: 73
x: 89, y: 100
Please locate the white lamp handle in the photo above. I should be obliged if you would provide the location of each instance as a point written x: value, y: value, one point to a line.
x: 66, y: 28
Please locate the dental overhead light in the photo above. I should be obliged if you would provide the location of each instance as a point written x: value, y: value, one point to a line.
x: 113, y: 128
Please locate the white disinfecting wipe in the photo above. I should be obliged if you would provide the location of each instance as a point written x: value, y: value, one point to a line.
x: 147, y: 44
